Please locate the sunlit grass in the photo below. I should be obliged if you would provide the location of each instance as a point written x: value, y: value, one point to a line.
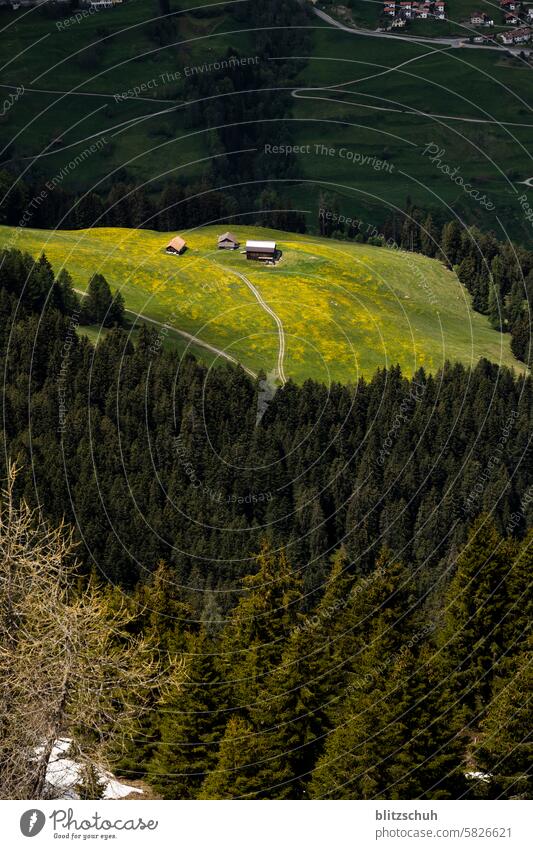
x: 346, y: 308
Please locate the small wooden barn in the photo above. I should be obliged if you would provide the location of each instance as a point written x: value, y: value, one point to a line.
x: 228, y: 242
x: 261, y: 251
x: 177, y: 245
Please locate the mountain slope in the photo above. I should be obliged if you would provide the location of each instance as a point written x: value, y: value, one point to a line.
x: 346, y: 309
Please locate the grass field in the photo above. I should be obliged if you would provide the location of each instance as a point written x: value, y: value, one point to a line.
x: 346, y: 308
x: 380, y: 107
x: 476, y: 100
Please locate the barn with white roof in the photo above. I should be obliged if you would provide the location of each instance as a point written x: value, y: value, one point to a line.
x: 260, y: 251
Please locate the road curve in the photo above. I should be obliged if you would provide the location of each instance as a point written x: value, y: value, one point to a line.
x: 450, y: 42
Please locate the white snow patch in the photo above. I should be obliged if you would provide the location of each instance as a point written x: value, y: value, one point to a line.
x: 64, y: 773
x: 478, y: 776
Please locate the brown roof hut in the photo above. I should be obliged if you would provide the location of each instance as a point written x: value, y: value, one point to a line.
x: 177, y: 245
x: 228, y: 242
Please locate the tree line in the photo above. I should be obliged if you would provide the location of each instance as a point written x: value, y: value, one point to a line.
x: 498, y: 275
x: 243, y: 122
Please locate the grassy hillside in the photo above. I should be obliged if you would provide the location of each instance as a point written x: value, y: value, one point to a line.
x: 392, y: 102
x: 71, y: 78
x: 346, y: 308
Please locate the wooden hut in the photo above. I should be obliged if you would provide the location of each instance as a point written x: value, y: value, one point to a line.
x: 261, y: 251
x: 177, y: 245
x: 228, y: 242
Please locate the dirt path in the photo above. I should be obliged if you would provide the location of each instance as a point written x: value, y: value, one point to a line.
x: 297, y: 93
x: 281, y: 332
x: 189, y: 336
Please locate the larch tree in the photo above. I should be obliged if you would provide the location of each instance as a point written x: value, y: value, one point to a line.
x: 68, y: 666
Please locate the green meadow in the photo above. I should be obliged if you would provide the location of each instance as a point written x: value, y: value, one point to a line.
x: 346, y: 308
x: 392, y: 102
x: 390, y: 99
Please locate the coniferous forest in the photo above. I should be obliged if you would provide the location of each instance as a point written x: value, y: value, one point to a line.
x: 217, y: 584
x: 344, y: 581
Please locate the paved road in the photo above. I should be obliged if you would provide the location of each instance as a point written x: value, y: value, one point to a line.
x: 189, y: 336
x: 281, y: 332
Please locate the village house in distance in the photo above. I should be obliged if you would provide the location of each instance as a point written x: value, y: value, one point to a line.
x: 408, y: 10
x: 513, y: 13
x: 177, y: 246
x: 399, y: 13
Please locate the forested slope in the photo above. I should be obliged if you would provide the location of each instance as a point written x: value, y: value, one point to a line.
x: 310, y: 562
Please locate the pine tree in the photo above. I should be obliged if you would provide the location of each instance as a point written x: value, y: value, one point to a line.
x: 191, y: 726
x: 253, y: 640
x: 473, y: 635
x: 232, y: 777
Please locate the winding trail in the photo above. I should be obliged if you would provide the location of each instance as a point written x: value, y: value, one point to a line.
x: 416, y: 112
x: 281, y: 332
x: 189, y: 336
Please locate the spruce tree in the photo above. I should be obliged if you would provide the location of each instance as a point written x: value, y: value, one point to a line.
x: 232, y: 777
x: 290, y: 715
x: 68, y: 300
x: 521, y: 340
x: 392, y: 738
x: 451, y: 242
x: 253, y: 641
x: 504, y: 747
x: 100, y: 306
x: 473, y: 631
x: 191, y: 726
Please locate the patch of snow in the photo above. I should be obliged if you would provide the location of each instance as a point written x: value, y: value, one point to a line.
x: 64, y: 773
x: 478, y: 776
x: 116, y: 790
